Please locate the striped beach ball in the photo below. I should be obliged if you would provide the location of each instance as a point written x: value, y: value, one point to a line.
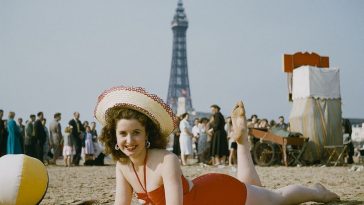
x: 23, y: 180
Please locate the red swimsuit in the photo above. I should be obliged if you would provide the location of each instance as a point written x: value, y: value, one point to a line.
x: 208, y: 189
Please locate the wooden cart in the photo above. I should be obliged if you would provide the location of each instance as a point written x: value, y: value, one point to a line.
x: 270, y: 148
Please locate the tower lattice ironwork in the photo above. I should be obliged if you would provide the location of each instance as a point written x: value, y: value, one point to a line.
x: 178, y: 82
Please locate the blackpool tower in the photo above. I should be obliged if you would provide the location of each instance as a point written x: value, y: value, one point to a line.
x: 179, y: 87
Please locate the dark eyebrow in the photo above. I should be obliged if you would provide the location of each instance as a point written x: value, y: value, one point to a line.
x: 133, y: 130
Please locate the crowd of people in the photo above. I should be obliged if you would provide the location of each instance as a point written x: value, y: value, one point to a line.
x: 210, y: 140
x: 48, y: 143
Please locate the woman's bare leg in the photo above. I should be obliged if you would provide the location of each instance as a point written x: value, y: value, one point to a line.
x: 68, y: 161
x: 231, y: 157
x: 65, y: 160
x: 246, y: 172
x: 222, y: 160
x: 216, y: 160
x: 289, y: 195
x: 184, y: 159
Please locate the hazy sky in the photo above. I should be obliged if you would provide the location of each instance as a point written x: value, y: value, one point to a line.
x: 58, y: 56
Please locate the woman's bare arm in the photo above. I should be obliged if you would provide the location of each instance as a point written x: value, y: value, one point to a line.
x: 124, y: 191
x: 188, y: 132
x: 172, y: 180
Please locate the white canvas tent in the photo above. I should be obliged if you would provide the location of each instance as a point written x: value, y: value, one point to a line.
x: 316, y: 110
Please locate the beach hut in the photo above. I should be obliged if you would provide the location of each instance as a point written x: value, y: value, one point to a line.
x: 314, y: 90
x: 316, y: 109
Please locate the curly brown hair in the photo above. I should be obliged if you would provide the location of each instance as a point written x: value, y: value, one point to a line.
x: 108, y: 132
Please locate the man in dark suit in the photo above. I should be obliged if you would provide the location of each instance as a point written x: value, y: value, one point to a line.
x: 76, y: 136
x: 22, y: 132
x: 40, y: 136
x: 30, y: 141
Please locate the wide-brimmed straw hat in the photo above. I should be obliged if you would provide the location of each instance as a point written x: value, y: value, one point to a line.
x: 136, y: 98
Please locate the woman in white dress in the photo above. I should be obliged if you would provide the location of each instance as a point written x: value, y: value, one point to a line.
x: 185, y: 139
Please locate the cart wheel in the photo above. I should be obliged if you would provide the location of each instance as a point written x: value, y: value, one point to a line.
x: 264, y: 153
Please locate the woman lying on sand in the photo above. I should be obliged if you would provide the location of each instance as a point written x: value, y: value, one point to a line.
x: 136, y: 125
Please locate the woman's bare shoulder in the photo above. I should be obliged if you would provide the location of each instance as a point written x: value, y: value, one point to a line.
x: 166, y: 159
x: 162, y: 157
x: 121, y: 166
x: 163, y: 154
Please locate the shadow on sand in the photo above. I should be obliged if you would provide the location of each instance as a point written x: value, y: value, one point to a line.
x: 347, y: 202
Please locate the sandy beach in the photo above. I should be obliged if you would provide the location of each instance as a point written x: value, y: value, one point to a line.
x: 96, y: 185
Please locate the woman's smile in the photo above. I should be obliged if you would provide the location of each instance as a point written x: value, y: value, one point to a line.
x: 130, y: 148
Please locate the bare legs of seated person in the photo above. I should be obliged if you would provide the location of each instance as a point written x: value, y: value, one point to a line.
x: 246, y: 173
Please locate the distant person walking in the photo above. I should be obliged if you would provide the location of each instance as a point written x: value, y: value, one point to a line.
x: 219, y: 145
x: 29, y: 140
x: 68, y: 148
x: 196, y: 136
x: 94, y: 131
x: 56, y: 137
x: 203, y: 145
x: 347, y: 131
x: 76, y: 136
x: 185, y: 139
x: 176, y: 134
x: 89, y: 145
x: 14, y: 137
x: 232, y: 144
x: 47, y: 155
x: 22, y: 133
x: 40, y: 136
x: 3, y: 135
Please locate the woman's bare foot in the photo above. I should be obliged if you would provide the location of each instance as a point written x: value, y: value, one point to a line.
x: 325, y: 194
x: 238, y: 120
